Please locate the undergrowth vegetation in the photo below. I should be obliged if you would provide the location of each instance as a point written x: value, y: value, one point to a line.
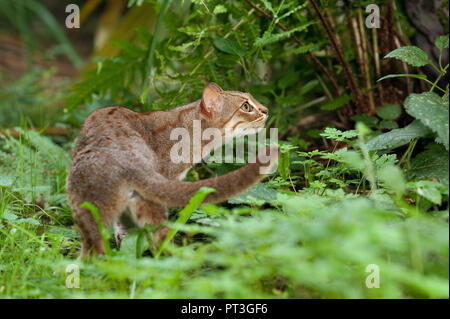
x: 365, y: 192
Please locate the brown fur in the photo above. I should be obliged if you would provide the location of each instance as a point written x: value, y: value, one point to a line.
x: 120, y: 153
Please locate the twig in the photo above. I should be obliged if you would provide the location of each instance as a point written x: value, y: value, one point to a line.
x: 292, y: 184
x: 376, y: 58
x: 327, y: 92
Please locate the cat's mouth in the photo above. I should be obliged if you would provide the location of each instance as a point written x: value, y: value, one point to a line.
x: 256, y: 123
x: 260, y: 120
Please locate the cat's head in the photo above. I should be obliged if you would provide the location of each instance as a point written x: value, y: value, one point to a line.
x: 232, y: 110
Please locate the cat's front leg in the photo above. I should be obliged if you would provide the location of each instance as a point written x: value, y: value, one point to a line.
x: 120, y: 232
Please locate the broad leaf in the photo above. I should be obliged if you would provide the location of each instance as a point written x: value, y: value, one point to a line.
x: 257, y: 195
x: 288, y: 79
x: 387, y: 125
x: 6, y: 181
x: 370, y: 121
x: 398, y: 137
x: 441, y: 42
x: 428, y: 189
x: 336, y: 103
x: 410, y: 54
x: 130, y: 246
x: 430, y: 164
x: 389, y: 112
x: 229, y: 46
x: 431, y: 110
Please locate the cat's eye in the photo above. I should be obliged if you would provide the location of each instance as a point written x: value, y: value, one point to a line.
x: 247, y: 107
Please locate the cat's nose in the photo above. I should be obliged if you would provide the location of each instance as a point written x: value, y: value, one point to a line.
x: 264, y: 110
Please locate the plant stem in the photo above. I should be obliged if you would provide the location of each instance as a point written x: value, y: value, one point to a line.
x: 441, y: 74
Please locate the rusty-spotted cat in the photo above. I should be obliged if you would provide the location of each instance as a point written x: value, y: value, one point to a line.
x: 122, y: 159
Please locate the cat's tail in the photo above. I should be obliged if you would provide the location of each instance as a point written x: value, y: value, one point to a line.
x: 173, y: 193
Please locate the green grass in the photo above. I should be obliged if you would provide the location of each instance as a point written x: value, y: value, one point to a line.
x: 269, y: 242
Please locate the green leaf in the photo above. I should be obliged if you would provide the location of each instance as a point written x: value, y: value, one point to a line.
x: 229, y: 46
x: 219, y: 9
x: 129, y: 245
x: 7, y: 215
x: 283, y: 165
x: 370, y: 121
x: 184, y: 215
x: 30, y: 221
x: 290, y: 100
x: 268, y: 6
x: 431, y: 163
x: 398, y: 137
x: 416, y: 76
x: 227, y: 60
x: 410, y: 54
x: 336, y: 103
x: 6, y: 181
x: 308, y: 48
x: 288, y: 79
x: 353, y: 160
x: 387, y: 125
x: 441, y: 42
x: 337, y: 135
x: 65, y: 232
x: 269, y: 37
x: 389, y: 112
x: 428, y: 189
x: 430, y: 109
x: 392, y: 178
x: 257, y: 195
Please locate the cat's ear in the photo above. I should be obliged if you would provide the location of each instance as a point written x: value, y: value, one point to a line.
x: 211, y: 100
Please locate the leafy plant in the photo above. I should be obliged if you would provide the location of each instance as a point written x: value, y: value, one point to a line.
x: 344, y: 196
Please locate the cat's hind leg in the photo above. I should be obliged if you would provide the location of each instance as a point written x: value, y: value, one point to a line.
x: 105, y: 192
x: 147, y: 212
x: 109, y: 207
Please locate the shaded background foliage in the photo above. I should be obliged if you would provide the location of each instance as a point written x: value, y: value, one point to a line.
x: 363, y: 174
